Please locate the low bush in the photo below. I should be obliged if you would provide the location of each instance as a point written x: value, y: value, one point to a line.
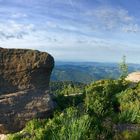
x: 92, y: 115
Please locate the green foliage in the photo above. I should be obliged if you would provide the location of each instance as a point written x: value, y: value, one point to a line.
x: 68, y: 101
x: 129, y: 105
x: 100, y: 103
x: 113, y: 100
x: 74, y: 126
x: 69, y: 125
x: 67, y: 93
x: 91, y: 115
x: 123, y: 68
x: 101, y: 96
x: 66, y: 88
x: 128, y: 135
x: 15, y: 136
x: 70, y: 90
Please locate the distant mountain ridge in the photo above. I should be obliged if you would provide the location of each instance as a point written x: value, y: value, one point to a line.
x: 86, y: 72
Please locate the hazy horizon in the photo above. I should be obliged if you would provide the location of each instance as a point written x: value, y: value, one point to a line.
x: 73, y: 30
x: 107, y: 62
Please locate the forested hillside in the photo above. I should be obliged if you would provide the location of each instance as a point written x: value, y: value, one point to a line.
x: 88, y: 72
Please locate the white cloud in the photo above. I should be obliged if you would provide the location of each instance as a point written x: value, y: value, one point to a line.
x: 123, y: 15
x: 113, y: 18
x: 12, y: 29
x: 19, y: 15
x: 51, y: 24
x: 131, y: 28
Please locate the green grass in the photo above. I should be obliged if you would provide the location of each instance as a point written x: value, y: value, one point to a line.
x: 90, y: 116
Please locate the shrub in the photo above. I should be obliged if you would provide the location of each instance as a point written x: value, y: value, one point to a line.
x: 69, y: 125
x: 129, y: 106
x: 128, y: 135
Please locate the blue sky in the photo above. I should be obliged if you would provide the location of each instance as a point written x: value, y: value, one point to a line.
x: 73, y: 30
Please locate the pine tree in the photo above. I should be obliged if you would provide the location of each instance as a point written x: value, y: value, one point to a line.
x: 123, y: 68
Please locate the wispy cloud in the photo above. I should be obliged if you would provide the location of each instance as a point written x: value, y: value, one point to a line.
x: 19, y: 15
x: 12, y: 29
x: 131, y: 28
x: 113, y: 18
x: 71, y: 29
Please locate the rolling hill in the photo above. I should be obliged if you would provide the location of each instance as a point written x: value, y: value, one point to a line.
x: 86, y: 72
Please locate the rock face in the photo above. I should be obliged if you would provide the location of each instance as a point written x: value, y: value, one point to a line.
x: 134, y: 77
x: 24, y: 69
x: 24, y: 84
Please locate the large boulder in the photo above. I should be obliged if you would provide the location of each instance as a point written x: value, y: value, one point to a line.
x: 24, y: 87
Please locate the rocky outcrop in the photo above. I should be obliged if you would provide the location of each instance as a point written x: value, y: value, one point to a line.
x: 134, y: 77
x: 24, y: 84
x: 24, y: 69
